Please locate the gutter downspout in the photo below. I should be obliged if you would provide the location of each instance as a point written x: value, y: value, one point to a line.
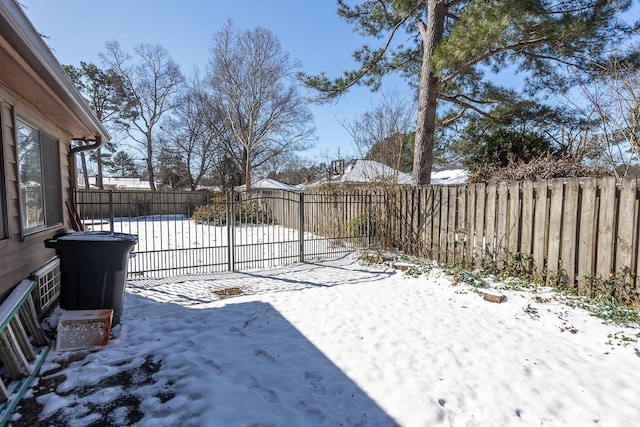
x: 73, y: 169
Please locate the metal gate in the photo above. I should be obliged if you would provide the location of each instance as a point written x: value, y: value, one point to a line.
x: 183, y: 233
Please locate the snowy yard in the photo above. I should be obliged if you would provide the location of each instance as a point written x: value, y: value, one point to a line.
x: 342, y: 343
x: 177, y: 244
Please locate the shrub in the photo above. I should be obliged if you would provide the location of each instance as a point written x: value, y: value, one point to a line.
x: 547, y: 167
x: 617, y: 287
x: 364, y: 224
x: 247, y: 212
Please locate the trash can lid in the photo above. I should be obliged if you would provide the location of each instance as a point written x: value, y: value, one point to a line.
x: 98, y: 236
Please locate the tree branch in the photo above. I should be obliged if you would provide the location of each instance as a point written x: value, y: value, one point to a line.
x: 519, y: 45
x: 364, y: 71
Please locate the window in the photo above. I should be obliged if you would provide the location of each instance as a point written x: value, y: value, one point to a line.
x: 39, y: 178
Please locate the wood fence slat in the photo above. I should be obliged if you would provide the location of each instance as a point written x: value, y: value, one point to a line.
x: 502, y: 213
x: 555, y: 225
x: 626, y: 216
x: 540, y: 226
x: 470, y: 225
x: 415, y: 231
x: 461, y: 224
x: 587, y: 234
x: 480, y: 237
x: 635, y: 269
x: 451, y: 224
x: 606, y: 227
x: 526, y: 232
x: 490, y: 223
x: 437, y: 210
x: 513, y: 223
x: 427, y: 209
x: 395, y: 232
x: 400, y: 218
x: 570, y: 230
x: 444, y: 217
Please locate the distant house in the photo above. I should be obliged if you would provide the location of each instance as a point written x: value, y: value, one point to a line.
x: 450, y: 176
x: 362, y: 172
x: 110, y: 183
x: 372, y: 172
x: 267, y: 184
x: 41, y: 113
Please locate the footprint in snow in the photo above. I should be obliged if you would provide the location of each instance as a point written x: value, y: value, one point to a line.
x: 315, y: 381
x: 263, y: 354
x: 217, y: 369
x: 269, y: 396
x: 238, y: 331
x: 315, y: 415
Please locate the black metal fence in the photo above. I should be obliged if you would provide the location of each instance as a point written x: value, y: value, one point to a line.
x: 200, y: 232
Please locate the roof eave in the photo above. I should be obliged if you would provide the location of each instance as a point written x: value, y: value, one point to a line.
x: 27, y: 42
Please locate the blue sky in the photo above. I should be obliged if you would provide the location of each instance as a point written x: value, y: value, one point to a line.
x: 312, y: 34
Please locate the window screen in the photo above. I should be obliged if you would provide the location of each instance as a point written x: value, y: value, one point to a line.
x: 39, y: 178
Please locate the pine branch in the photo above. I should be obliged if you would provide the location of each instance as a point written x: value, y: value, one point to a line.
x: 510, y: 47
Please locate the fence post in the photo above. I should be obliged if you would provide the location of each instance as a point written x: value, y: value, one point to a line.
x: 301, y: 226
x: 231, y: 234
x: 369, y: 213
x: 111, y: 214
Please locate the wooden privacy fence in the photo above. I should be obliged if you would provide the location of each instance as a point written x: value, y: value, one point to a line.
x: 329, y: 213
x: 111, y: 204
x: 580, y: 228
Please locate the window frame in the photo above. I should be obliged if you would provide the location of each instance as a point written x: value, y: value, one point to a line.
x: 4, y: 209
x: 51, y: 180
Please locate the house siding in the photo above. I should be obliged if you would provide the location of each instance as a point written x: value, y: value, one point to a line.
x: 19, y: 256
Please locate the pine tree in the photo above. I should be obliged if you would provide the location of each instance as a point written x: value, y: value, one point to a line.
x: 455, y: 42
x: 105, y: 95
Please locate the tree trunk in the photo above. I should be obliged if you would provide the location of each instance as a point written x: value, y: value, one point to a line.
x: 152, y: 180
x: 247, y: 170
x: 432, y: 34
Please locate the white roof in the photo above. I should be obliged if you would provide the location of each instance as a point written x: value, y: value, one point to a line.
x: 370, y: 171
x: 267, y: 184
x: 366, y: 171
x: 450, y: 176
x: 123, y: 183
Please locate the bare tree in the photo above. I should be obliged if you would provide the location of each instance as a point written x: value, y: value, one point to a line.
x: 611, y: 112
x: 194, y: 132
x: 383, y: 133
x: 252, y: 83
x: 153, y: 83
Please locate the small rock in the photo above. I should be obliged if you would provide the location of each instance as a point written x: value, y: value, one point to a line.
x: 491, y: 297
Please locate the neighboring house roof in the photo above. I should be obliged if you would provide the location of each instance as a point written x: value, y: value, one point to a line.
x: 212, y: 188
x: 450, y: 176
x: 267, y: 184
x: 365, y: 171
x: 122, y: 183
x: 115, y: 183
x: 370, y: 171
x: 30, y: 69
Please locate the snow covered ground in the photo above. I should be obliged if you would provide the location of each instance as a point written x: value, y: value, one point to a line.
x: 342, y: 343
x: 177, y: 244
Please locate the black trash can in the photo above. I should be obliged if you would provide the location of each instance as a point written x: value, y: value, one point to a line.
x: 93, y: 265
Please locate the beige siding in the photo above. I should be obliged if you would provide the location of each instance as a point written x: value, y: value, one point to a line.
x: 20, y: 256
